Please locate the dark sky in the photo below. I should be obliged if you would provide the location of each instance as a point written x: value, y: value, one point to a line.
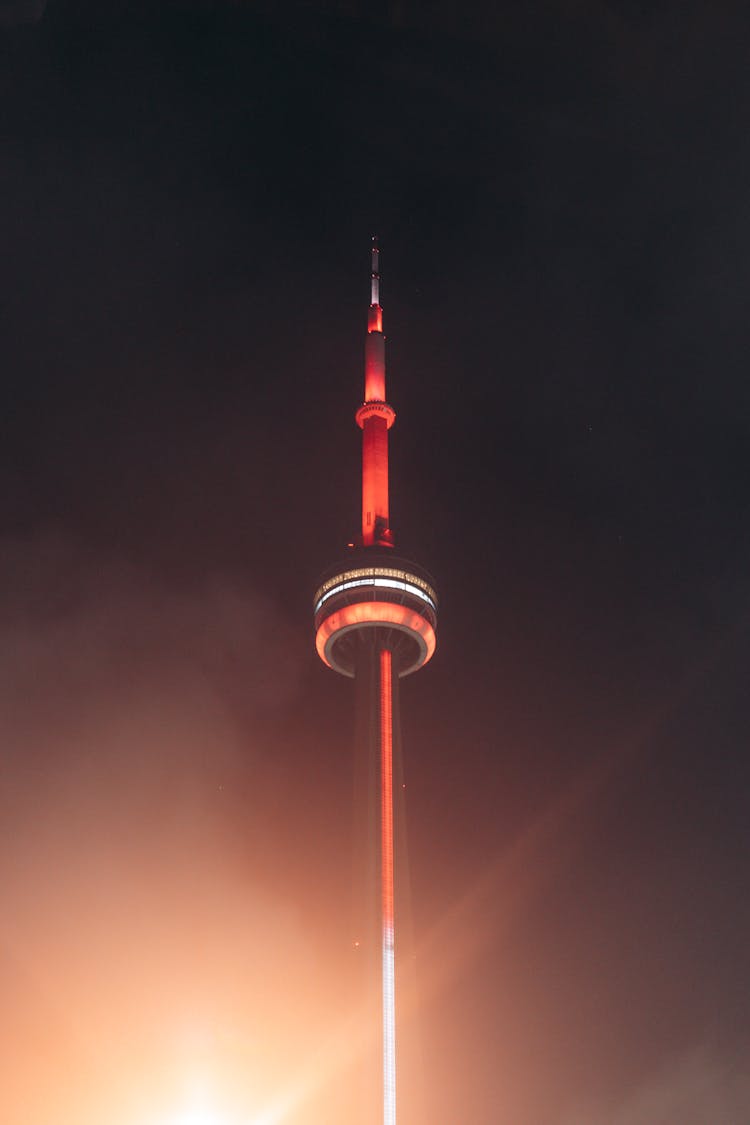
x: 187, y: 197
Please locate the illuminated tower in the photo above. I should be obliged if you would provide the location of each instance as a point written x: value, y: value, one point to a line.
x: 375, y: 620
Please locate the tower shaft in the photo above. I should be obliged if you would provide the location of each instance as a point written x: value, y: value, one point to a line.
x: 386, y: 886
x: 378, y: 762
x: 375, y: 482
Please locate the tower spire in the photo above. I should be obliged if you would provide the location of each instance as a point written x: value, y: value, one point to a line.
x: 375, y: 417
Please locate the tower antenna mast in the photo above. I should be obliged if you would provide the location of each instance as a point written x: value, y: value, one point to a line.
x: 375, y: 418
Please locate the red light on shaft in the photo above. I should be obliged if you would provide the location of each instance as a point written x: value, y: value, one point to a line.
x: 375, y: 362
x: 386, y: 866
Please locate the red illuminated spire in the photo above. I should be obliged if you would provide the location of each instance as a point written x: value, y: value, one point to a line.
x: 375, y: 417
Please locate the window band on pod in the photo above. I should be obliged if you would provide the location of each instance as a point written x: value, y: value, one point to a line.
x: 408, y: 586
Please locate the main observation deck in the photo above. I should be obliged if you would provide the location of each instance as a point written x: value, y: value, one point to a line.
x: 375, y: 590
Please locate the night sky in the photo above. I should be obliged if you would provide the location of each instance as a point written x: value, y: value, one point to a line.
x: 188, y: 192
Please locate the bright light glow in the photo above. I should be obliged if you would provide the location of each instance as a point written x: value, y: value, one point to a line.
x: 198, y: 1117
x: 386, y: 583
x: 386, y: 865
x: 197, y: 1109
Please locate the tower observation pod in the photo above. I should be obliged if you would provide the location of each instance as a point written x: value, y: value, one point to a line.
x: 375, y: 621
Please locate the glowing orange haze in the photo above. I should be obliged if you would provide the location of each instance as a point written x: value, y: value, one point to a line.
x: 175, y: 904
x: 145, y: 948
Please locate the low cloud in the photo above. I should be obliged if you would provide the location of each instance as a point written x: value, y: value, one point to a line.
x: 702, y: 1086
x: 139, y: 928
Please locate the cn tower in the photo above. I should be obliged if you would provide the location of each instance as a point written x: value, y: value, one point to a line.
x: 375, y: 622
